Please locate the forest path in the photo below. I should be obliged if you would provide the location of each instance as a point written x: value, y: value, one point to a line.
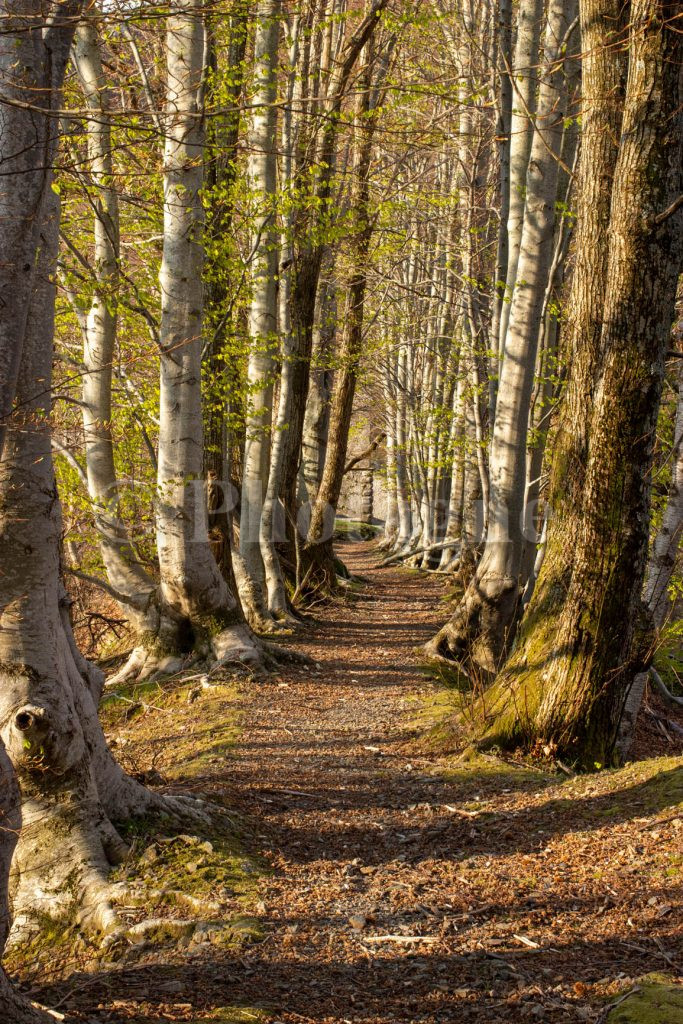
x: 483, y: 875
x: 322, y: 764
x: 404, y: 887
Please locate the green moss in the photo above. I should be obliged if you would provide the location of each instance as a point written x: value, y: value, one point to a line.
x: 208, y: 866
x: 655, y: 1003
x: 139, y: 707
x: 348, y: 529
x: 645, y: 787
x: 52, y: 942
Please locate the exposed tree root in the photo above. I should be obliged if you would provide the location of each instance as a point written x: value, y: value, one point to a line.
x: 662, y: 689
x: 14, y: 1009
x: 480, y: 631
x: 143, y: 663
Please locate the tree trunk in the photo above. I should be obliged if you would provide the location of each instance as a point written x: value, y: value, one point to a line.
x: 192, y: 586
x: 71, y: 786
x: 584, y: 635
x: 482, y: 627
x: 262, y: 174
x: 391, y: 521
x: 221, y: 382
x: 318, y: 546
x: 309, y: 245
x: 317, y: 416
x: 138, y: 592
x: 273, y: 523
x: 662, y: 561
x: 33, y: 56
x: 524, y: 84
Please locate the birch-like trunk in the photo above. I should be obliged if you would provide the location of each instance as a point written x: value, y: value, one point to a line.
x: 391, y: 521
x: 524, y: 78
x: 454, y: 519
x: 482, y: 626
x: 262, y: 326
x: 273, y: 524
x: 191, y: 584
x: 98, y: 324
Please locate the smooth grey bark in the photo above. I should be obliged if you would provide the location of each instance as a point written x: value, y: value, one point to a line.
x: 662, y: 561
x: 482, y: 626
x: 263, y: 313
x: 317, y: 415
x: 546, y: 388
x: 454, y: 518
x: 98, y: 326
x: 71, y: 786
x: 273, y: 525
x: 192, y: 585
x: 391, y: 521
x: 405, y: 518
x: 524, y: 80
x: 503, y: 94
x: 34, y: 50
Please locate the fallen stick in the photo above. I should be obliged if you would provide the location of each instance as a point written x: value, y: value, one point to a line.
x: 400, y: 938
x: 399, y: 556
x: 663, y: 690
x: 612, y: 1006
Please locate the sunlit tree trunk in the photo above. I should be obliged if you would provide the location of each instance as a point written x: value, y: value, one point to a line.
x: 262, y: 176
x: 482, y: 626
x: 524, y: 81
x: 136, y: 590
x: 33, y: 55
x: 191, y: 584
x: 71, y: 786
x: 584, y: 635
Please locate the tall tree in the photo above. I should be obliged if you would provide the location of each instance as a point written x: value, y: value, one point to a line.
x: 192, y: 586
x: 482, y: 626
x: 262, y: 145
x: 584, y: 637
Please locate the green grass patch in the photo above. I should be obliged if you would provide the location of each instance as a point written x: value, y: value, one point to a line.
x: 354, y: 529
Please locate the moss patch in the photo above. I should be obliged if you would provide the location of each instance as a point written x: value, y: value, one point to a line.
x: 354, y: 529
x: 178, y: 727
x: 654, y: 1003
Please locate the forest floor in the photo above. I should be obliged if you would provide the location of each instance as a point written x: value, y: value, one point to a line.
x: 385, y: 880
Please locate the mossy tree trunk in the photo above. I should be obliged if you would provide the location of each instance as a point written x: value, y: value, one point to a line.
x: 585, y: 633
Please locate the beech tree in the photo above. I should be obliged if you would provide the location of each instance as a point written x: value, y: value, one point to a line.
x: 584, y: 638
x: 480, y: 629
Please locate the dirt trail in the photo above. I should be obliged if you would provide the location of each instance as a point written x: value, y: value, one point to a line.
x: 368, y: 840
x: 405, y: 887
